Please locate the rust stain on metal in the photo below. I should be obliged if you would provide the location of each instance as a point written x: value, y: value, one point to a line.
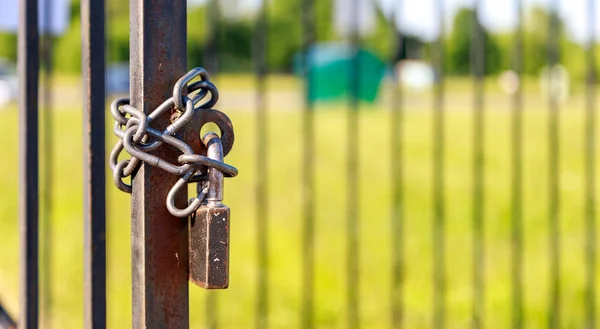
x: 222, y: 121
x: 159, y: 240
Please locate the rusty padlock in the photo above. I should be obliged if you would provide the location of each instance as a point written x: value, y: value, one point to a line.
x: 209, y: 228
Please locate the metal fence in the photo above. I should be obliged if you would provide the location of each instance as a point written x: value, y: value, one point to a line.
x: 160, y: 289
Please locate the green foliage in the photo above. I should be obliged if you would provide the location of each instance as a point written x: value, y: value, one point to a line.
x: 197, y: 27
x: 536, y: 40
x: 235, y: 46
x: 118, y: 32
x: 381, y: 42
x: 285, y: 30
x: 235, y: 38
x: 8, y: 46
x: 285, y: 34
x: 67, y: 48
x: 460, y: 46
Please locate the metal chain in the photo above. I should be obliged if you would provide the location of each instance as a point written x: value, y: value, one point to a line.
x: 137, y: 137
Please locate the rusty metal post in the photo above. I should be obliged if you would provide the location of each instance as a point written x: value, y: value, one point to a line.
x: 308, y: 163
x: 28, y: 153
x: 554, y: 204
x: 93, y: 69
x: 439, y: 186
x: 590, y: 172
x: 397, y: 301
x: 47, y: 152
x: 159, y: 240
x: 517, y: 175
x: 352, y: 178
x: 260, y: 46
x: 478, y: 40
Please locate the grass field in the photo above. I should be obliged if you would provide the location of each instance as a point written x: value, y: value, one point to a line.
x: 236, y: 306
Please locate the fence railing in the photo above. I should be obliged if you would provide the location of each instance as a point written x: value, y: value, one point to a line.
x: 160, y: 295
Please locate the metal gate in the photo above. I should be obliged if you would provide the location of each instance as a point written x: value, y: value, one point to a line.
x: 458, y: 206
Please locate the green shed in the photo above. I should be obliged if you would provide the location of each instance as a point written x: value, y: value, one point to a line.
x: 333, y: 65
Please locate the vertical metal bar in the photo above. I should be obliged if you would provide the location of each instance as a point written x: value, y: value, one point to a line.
x: 28, y: 148
x: 211, y: 58
x: 211, y: 64
x: 439, y: 238
x: 308, y: 237
x: 48, y: 152
x: 554, y: 36
x: 352, y: 247
x: 94, y: 200
x: 397, y: 174
x: 517, y: 175
x: 478, y: 71
x: 262, y: 206
x: 159, y: 240
x: 590, y: 171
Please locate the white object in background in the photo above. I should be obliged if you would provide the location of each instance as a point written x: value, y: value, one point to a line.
x: 509, y: 82
x: 415, y: 75
x: 117, y: 78
x: 9, y: 85
x: 55, y: 21
x: 555, y: 82
x: 354, y: 16
x: 5, y: 93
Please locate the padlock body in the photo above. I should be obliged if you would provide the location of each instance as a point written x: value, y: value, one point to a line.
x: 209, y: 247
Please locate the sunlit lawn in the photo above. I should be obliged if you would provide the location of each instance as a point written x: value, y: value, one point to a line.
x: 237, y: 305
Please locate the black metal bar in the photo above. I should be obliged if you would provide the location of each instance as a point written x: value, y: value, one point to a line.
x: 590, y: 171
x: 28, y: 175
x: 397, y: 174
x: 352, y: 151
x: 478, y: 71
x: 517, y: 175
x: 159, y: 240
x: 308, y: 236
x: 554, y: 36
x: 262, y: 206
x: 94, y: 200
x: 47, y: 180
x: 439, y: 238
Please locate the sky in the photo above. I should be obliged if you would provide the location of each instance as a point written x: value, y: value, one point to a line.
x: 419, y: 17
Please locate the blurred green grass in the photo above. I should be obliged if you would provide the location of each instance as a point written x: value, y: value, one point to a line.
x: 237, y: 304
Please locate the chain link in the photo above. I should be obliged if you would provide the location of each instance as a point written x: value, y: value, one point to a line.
x: 138, y: 138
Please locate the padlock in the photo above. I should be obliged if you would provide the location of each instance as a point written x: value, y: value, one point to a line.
x: 209, y: 228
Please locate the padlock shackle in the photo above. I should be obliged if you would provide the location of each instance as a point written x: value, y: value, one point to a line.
x: 215, y: 177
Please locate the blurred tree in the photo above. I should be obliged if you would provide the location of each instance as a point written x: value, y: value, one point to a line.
x: 409, y: 47
x: 537, y: 43
x: 117, y: 31
x: 197, y: 27
x: 458, y: 46
x: 235, y: 38
x: 384, y: 30
x: 67, y: 48
x: 536, y: 38
x: 8, y: 46
x: 235, y: 45
x: 285, y: 30
x: 284, y: 33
